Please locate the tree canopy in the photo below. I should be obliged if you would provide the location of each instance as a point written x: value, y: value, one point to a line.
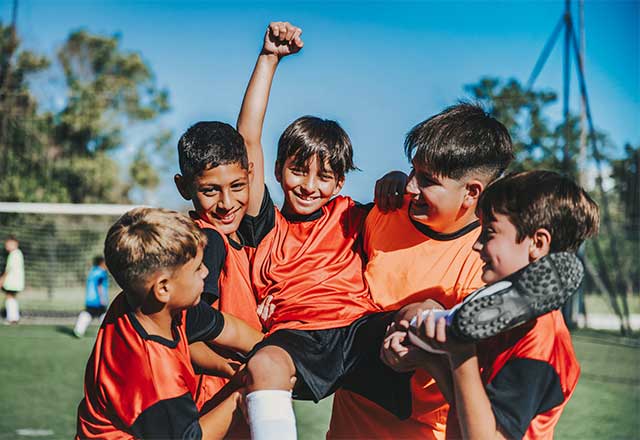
x: 66, y: 155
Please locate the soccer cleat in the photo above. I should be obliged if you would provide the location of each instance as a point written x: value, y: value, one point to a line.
x: 534, y: 290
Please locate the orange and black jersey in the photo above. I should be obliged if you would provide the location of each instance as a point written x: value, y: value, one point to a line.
x: 309, y: 265
x: 228, y: 284
x: 529, y: 374
x: 139, y: 385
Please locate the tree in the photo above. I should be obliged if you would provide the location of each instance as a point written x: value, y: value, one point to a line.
x: 67, y: 155
x: 539, y: 144
x: 626, y: 176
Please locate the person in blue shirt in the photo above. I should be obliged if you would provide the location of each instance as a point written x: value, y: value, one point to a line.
x: 97, y: 296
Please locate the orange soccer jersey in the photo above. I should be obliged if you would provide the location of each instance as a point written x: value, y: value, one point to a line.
x: 313, y: 270
x: 408, y: 263
x: 529, y: 374
x: 235, y: 295
x: 139, y: 385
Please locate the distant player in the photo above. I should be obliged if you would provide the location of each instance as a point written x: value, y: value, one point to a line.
x: 516, y: 384
x: 139, y: 381
x: 96, y: 296
x: 12, y: 280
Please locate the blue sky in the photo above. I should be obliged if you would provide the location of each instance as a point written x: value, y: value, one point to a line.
x: 376, y: 67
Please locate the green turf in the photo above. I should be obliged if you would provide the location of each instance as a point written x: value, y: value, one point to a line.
x: 41, y: 369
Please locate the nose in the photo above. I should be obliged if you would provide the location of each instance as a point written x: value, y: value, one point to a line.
x: 309, y: 184
x: 205, y: 271
x: 477, y: 246
x: 225, y: 202
x: 412, y: 185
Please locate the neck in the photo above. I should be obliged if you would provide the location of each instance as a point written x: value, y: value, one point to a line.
x: 462, y: 221
x: 155, y: 322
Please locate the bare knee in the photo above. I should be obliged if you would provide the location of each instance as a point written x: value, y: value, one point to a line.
x: 271, y: 368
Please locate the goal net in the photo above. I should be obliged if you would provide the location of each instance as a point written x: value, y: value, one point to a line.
x: 59, y: 242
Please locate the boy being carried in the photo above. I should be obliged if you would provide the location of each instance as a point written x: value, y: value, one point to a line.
x: 306, y: 263
x: 139, y: 382
x: 516, y: 383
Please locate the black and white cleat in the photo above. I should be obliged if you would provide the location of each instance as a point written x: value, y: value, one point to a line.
x: 534, y: 290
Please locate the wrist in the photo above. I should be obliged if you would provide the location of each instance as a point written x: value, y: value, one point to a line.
x: 462, y: 355
x: 269, y: 57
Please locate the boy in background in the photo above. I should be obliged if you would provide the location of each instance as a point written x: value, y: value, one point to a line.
x: 139, y: 382
x: 516, y: 384
x: 96, y: 296
x: 423, y: 251
x: 12, y: 280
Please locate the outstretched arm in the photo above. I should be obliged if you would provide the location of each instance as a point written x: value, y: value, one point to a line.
x: 281, y: 39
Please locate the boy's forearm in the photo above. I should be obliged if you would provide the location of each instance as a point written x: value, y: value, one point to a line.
x: 475, y: 414
x: 256, y: 98
x: 237, y: 335
x: 251, y: 120
x: 440, y: 370
x: 207, y: 359
x: 216, y: 422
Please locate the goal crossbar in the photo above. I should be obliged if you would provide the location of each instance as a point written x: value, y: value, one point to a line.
x: 66, y: 208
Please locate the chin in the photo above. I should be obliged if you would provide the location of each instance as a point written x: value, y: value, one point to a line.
x: 420, y: 218
x: 490, y: 277
x: 229, y: 229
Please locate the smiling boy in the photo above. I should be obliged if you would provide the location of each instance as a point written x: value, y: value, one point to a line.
x: 516, y: 383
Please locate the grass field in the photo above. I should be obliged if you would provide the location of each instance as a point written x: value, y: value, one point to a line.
x: 72, y: 299
x: 41, y: 376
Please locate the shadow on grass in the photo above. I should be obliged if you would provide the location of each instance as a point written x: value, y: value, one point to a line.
x: 65, y: 330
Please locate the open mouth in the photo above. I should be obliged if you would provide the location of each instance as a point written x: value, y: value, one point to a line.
x: 305, y: 199
x: 228, y: 218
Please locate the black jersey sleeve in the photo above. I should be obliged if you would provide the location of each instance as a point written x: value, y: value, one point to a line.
x: 170, y: 418
x: 203, y: 323
x: 214, y: 257
x: 253, y: 229
x: 367, y: 207
x: 521, y: 390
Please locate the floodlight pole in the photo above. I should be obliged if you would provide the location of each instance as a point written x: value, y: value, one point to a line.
x: 566, y: 71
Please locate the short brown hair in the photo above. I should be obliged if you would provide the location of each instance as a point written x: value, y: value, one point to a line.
x: 462, y: 138
x: 542, y: 199
x: 145, y: 240
x: 310, y: 136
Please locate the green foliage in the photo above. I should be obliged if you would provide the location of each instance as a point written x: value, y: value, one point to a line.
x: 626, y: 175
x: 67, y: 155
x: 538, y: 143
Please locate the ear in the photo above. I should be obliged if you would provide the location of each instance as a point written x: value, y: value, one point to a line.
x: 540, y: 244
x: 161, y: 287
x: 183, y: 186
x: 338, y: 188
x: 278, y: 172
x: 474, y: 188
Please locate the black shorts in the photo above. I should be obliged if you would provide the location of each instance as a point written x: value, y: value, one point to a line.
x: 96, y: 312
x: 11, y: 292
x: 346, y: 357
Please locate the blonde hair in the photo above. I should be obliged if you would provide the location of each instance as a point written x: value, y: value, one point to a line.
x: 146, y: 240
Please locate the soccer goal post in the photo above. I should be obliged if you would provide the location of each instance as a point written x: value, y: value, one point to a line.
x: 58, y: 241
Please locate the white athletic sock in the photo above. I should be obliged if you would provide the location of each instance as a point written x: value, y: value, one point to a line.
x: 271, y: 415
x: 83, y: 321
x: 13, y: 311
